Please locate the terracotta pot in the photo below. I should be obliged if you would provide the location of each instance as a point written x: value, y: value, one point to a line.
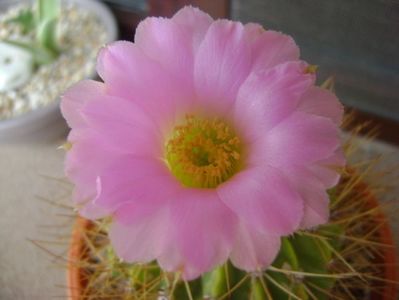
x: 388, y: 260
x: 77, y: 282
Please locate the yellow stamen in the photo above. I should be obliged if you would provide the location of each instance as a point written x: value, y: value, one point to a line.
x: 311, y: 69
x: 66, y: 146
x: 203, y: 153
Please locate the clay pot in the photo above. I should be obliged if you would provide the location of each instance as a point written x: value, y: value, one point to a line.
x: 75, y: 280
x: 388, y: 260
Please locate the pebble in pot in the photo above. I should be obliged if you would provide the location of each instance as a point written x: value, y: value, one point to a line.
x: 16, y: 67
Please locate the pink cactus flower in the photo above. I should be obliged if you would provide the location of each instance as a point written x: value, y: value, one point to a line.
x: 207, y: 141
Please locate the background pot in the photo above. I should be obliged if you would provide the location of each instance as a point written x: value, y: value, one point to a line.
x: 47, y: 123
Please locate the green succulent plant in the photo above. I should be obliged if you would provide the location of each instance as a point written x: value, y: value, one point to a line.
x: 41, y: 20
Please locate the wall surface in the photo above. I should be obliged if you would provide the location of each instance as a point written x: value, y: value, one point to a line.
x: 357, y: 41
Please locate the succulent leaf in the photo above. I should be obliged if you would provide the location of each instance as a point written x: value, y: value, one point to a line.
x: 47, y: 35
x: 47, y: 10
x: 25, y: 19
x: 41, y: 55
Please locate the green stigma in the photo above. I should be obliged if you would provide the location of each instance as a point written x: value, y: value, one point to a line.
x: 203, y: 153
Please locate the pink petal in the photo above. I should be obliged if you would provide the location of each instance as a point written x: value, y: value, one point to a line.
x: 323, y: 103
x: 83, y: 193
x: 202, y: 232
x: 253, y: 250
x: 170, y: 44
x: 326, y: 169
x: 142, y: 211
x: 92, y: 211
x: 312, y: 181
x: 142, y: 240
x: 265, y: 199
x: 92, y: 151
x: 266, y: 98
x: 101, y: 134
x: 317, y: 209
x: 298, y: 140
x: 124, y: 125
x: 270, y: 48
x: 76, y: 97
x: 195, y: 21
x: 132, y: 179
x: 130, y: 74
x: 313, y: 193
x: 222, y: 63
x: 135, y: 204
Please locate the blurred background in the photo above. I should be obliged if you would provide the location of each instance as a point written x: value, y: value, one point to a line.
x: 355, y: 41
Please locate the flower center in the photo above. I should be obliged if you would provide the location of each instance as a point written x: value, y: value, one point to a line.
x: 203, y: 153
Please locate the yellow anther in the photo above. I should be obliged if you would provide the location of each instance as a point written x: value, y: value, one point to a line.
x: 203, y: 153
x: 311, y: 69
